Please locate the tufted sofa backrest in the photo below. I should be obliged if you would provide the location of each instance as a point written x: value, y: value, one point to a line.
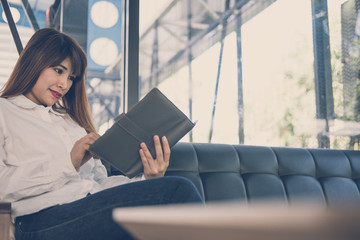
x: 253, y: 173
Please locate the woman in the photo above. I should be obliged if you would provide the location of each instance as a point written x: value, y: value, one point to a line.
x: 57, y: 189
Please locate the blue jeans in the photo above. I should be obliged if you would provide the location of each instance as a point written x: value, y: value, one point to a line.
x: 91, y: 217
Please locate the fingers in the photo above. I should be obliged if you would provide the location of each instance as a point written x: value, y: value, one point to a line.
x: 89, y: 139
x: 158, y: 149
x: 145, y: 154
x: 144, y: 160
x: 166, y: 149
x: 155, y: 167
x: 80, y: 151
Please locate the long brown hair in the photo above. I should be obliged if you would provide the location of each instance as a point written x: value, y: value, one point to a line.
x: 48, y: 48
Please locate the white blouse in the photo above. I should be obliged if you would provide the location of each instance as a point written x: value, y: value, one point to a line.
x: 36, y: 171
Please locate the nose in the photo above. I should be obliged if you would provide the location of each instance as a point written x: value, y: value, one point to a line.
x: 63, y: 82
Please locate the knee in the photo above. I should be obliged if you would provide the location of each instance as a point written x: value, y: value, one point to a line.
x: 179, y: 181
x: 184, y: 189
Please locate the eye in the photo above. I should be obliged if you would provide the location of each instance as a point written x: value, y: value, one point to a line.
x: 58, y: 70
x: 72, y: 78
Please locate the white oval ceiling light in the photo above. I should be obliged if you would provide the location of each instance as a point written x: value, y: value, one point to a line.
x: 103, y: 51
x: 104, y: 14
x: 15, y: 14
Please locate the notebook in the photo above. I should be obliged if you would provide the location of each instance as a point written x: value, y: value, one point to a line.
x: 153, y: 115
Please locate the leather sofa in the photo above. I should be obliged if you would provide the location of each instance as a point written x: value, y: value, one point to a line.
x: 248, y: 174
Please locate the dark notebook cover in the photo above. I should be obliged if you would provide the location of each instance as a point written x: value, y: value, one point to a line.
x: 153, y: 115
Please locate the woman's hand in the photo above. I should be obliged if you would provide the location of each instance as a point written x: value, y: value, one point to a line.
x: 155, y: 167
x: 80, y: 152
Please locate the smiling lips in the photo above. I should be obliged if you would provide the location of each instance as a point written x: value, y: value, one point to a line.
x: 55, y: 94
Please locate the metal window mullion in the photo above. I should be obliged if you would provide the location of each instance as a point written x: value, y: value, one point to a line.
x: 322, y: 67
x: 12, y: 26
x: 30, y: 15
x: 130, y: 53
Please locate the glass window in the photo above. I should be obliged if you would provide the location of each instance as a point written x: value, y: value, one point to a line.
x: 247, y: 71
x: 96, y: 25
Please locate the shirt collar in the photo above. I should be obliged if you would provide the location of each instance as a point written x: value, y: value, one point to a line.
x: 25, y: 103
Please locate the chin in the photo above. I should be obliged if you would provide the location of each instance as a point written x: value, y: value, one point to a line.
x: 48, y: 103
x: 52, y: 102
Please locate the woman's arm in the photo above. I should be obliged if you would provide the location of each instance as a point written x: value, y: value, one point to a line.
x: 31, y: 178
x: 18, y: 182
x: 80, y: 152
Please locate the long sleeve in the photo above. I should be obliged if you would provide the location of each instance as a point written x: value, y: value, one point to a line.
x: 35, y: 164
x: 32, y: 178
x: 36, y: 171
x: 100, y: 176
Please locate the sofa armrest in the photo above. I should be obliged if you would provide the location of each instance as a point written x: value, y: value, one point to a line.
x: 5, y: 210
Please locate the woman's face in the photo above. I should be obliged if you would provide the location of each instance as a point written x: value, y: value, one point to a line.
x: 52, y: 84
